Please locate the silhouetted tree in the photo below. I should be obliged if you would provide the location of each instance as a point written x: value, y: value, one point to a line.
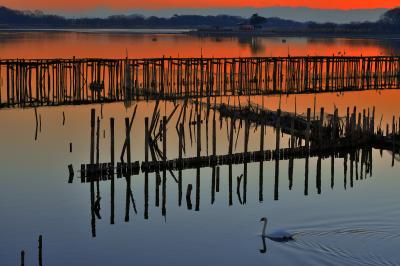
x: 256, y: 20
x: 392, y: 16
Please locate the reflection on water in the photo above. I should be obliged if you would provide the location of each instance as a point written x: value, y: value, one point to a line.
x: 343, y: 209
x: 115, y: 44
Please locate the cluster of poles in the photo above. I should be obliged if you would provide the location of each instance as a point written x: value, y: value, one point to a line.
x: 325, y: 136
x: 38, y: 82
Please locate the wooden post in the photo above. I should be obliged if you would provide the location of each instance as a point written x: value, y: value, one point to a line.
x: 278, y: 132
x: 188, y: 199
x: 217, y: 180
x: 22, y: 258
x: 180, y: 157
x: 112, y: 169
x: 262, y: 138
x: 347, y: 129
x: 231, y: 137
x: 128, y: 169
x: 214, y: 144
x: 146, y: 139
x: 92, y: 124
x: 292, y: 137
x: 40, y: 250
x: 334, y: 126
x: 321, y: 126
x: 128, y: 144
x: 198, y: 135
x: 308, y: 128
x: 164, y: 129
x: 393, y: 139
x: 98, y: 140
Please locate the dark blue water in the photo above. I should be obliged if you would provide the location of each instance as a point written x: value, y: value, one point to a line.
x: 352, y: 221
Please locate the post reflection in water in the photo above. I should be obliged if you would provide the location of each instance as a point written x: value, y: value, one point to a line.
x: 364, y: 168
x: 360, y: 162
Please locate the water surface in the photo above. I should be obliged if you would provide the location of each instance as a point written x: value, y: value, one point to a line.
x: 350, y: 218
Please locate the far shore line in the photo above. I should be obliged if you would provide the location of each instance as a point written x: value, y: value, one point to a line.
x: 212, y: 33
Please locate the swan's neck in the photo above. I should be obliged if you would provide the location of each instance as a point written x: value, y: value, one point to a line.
x: 264, y: 227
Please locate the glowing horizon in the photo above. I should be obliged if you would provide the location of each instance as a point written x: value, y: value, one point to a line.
x: 75, y: 5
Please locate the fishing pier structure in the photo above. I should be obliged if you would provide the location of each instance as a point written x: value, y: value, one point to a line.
x: 44, y: 82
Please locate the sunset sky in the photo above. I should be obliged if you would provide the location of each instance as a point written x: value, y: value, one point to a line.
x: 159, y: 4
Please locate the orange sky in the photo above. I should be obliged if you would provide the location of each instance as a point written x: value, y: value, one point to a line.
x: 156, y: 4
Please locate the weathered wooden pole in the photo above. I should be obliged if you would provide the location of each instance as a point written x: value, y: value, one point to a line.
x: 321, y: 127
x: 98, y: 140
x: 393, y: 139
x: 180, y: 157
x: 128, y: 169
x: 146, y: 174
x: 217, y: 179
x: 164, y: 135
x: 308, y: 128
x: 188, y: 197
x: 214, y: 136
x: 146, y: 139
x: 40, y: 247
x: 111, y: 170
x: 278, y: 132
x: 164, y: 200
x: 22, y: 258
x: 198, y: 123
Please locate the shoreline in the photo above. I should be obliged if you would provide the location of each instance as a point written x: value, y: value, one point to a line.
x: 208, y: 33
x: 295, y: 34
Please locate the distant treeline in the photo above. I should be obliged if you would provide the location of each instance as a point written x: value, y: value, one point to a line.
x: 18, y: 19
x: 9, y: 19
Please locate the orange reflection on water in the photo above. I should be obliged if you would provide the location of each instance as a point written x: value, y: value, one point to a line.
x: 115, y: 45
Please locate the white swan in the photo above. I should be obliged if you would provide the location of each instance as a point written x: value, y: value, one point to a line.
x: 278, y: 235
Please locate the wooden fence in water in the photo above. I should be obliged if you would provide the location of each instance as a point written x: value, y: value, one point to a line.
x: 37, y: 82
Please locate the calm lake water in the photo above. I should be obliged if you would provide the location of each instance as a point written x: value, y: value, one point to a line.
x: 350, y: 218
x: 116, y: 44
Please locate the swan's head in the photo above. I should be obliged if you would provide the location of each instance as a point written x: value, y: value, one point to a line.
x: 264, y: 219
